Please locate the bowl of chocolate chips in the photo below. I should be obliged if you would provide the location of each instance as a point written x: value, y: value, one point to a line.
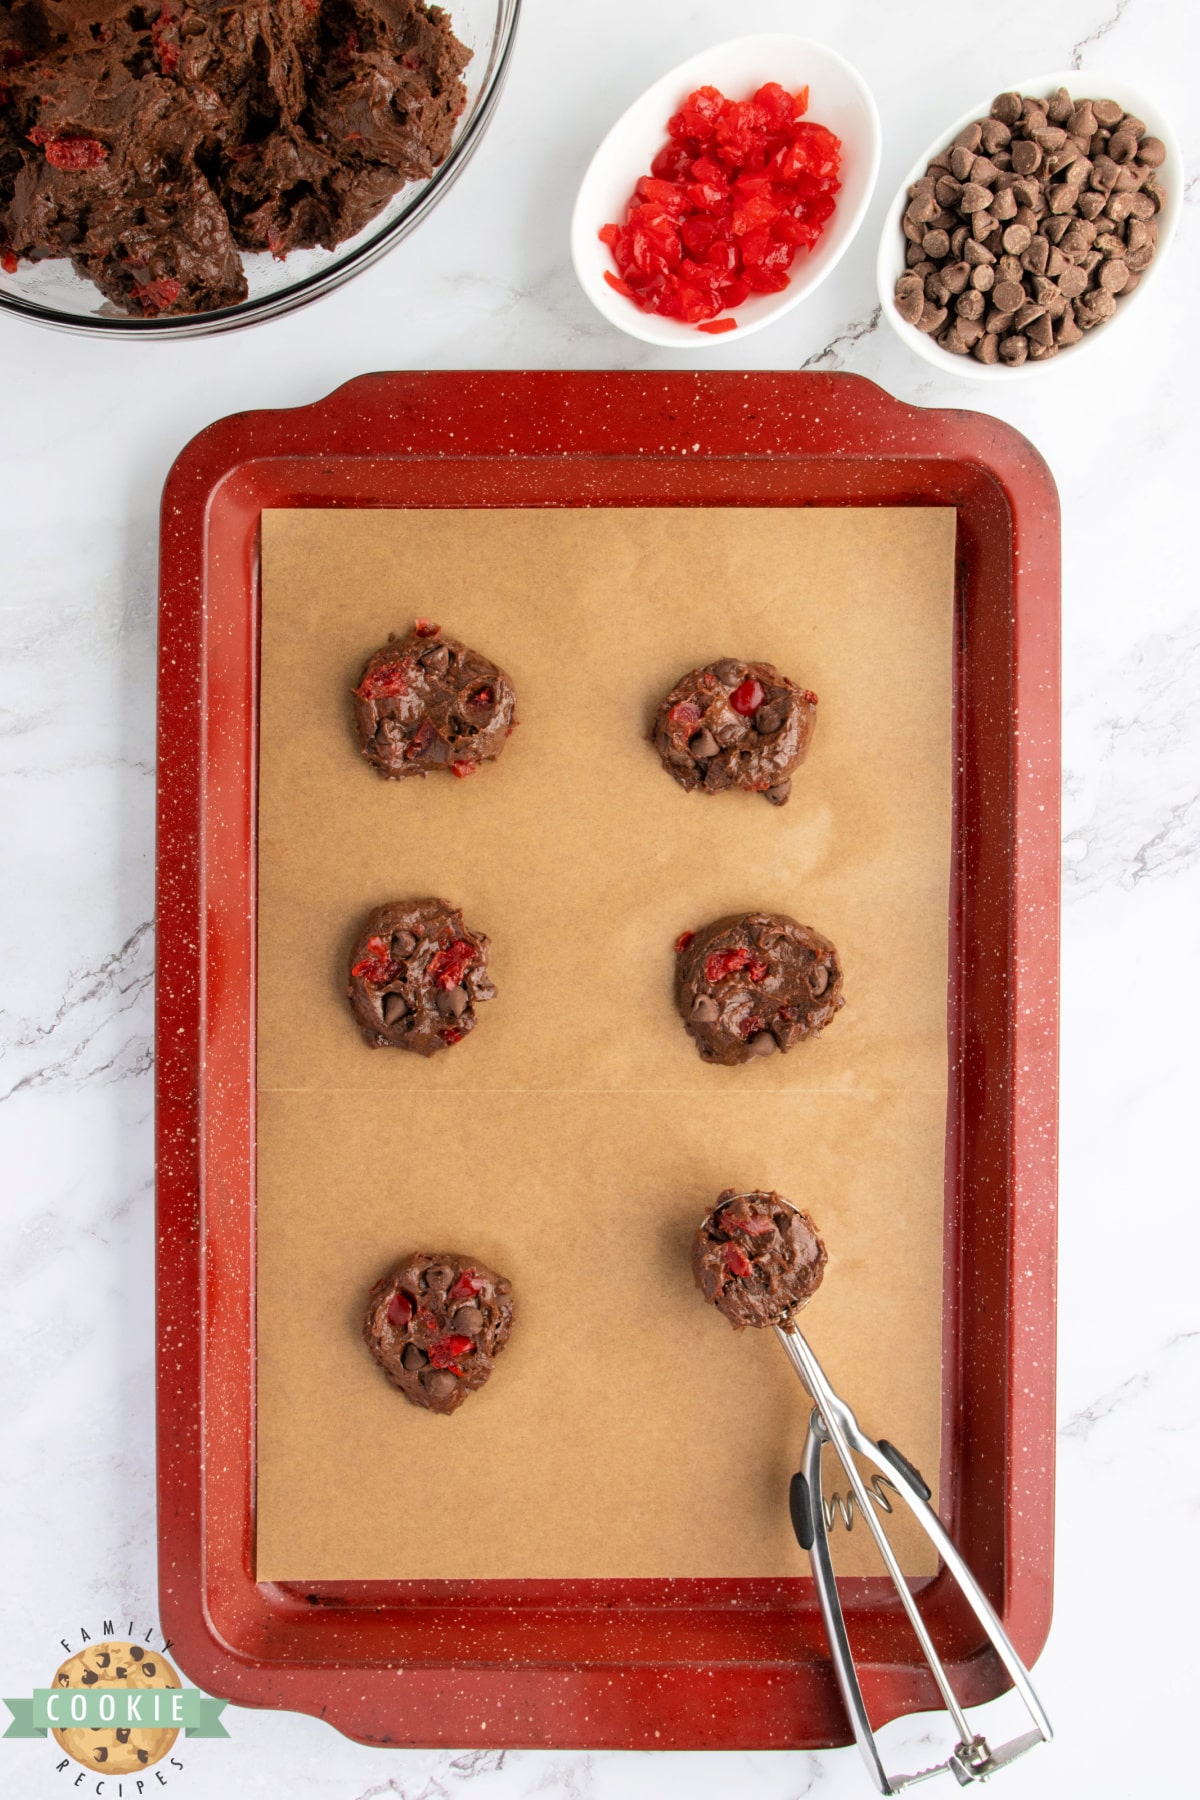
x: 1031, y: 227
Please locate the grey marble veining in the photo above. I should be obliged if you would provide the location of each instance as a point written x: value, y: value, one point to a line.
x: 89, y: 432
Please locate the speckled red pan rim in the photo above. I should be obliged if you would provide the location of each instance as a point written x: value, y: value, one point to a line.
x: 640, y: 1664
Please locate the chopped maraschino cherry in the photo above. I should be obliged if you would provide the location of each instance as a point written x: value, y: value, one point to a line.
x: 747, y: 697
x: 724, y: 962
x: 740, y: 187
x: 737, y: 1262
x: 399, y: 1310
x: 446, y: 1352
x: 730, y: 1221
x: 451, y: 963
x: 467, y: 1286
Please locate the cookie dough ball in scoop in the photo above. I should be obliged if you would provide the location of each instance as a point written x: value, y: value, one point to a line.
x: 426, y: 701
x: 757, y: 1258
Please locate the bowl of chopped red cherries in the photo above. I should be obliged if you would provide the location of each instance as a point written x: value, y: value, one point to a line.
x: 727, y: 192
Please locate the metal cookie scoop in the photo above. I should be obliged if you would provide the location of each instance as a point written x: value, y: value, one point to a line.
x: 833, y: 1423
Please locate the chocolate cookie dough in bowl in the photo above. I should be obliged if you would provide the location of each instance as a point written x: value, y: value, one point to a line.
x: 168, y: 172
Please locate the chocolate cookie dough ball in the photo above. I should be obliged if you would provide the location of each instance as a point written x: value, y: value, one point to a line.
x: 428, y: 702
x: 754, y: 983
x: 418, y: 976
x: 735, y: 725
x: 436, y: 1325
x: 758, y: 1258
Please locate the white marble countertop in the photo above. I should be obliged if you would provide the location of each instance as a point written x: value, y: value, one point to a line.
x: 89, y: 432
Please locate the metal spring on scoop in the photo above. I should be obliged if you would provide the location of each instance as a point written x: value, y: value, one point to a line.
x: 841, y: 1507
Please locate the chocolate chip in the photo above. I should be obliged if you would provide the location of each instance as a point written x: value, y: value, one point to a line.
x: 414, y: 1357
x: 936, y: 244
x: 122, y: 1734
x: 975, y: 198
x: 439, y: 1384
x: 1007, y: 295
x: 439, y: 1277
x: 705, y: 1010
x: 103, y: 1658
x: 910, y: 298
x: 136, y: 1651
x: 1153, y: 152
x: 394, y: 1008
x: 100, y: 1753
x: 818, y: 980
x: 1017, y: 239
x: 452, y: 1002
x: 703, y: 745
x: 779, y: 793
x: 403, y: 944
x: 143, y: 1756
x: 1007, y: 107
x: 1014, y: 348
x: 728, y: 672
x: 1108, y: 113
x: 769, y: 718
x: 90, y: 1677
x: 468, y: 1319
x: 121, y: 1673
x: 436, y: 660
x: 763, y: 1044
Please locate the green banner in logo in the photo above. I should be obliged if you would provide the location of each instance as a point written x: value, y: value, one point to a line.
x: 180, y: 1709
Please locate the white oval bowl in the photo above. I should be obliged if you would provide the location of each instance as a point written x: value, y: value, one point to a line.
x: 1082, y: 84
x: 838, y: 98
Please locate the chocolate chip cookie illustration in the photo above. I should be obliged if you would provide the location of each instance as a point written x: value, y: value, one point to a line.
x: 753, y: 983
x: 735, y: 725
x: 426, y: 701
x: 757, y: 1258
x: 417, y: 975
x: 436, y: 1325
x: 122, y: 1750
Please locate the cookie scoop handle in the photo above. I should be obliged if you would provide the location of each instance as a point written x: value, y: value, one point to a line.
x: 833, y: 1423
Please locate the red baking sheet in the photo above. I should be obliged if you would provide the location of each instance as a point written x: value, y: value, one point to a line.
x: 721, y: 1664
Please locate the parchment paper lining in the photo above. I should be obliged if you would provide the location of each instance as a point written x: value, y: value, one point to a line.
x: 575, y: 1139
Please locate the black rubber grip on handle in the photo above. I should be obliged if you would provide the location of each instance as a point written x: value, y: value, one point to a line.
x: 906, y: 1468
x: 800, y: 1507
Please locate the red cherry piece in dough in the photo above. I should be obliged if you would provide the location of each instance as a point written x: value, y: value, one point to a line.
x: 724, y: 962
x: 747, y: 697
